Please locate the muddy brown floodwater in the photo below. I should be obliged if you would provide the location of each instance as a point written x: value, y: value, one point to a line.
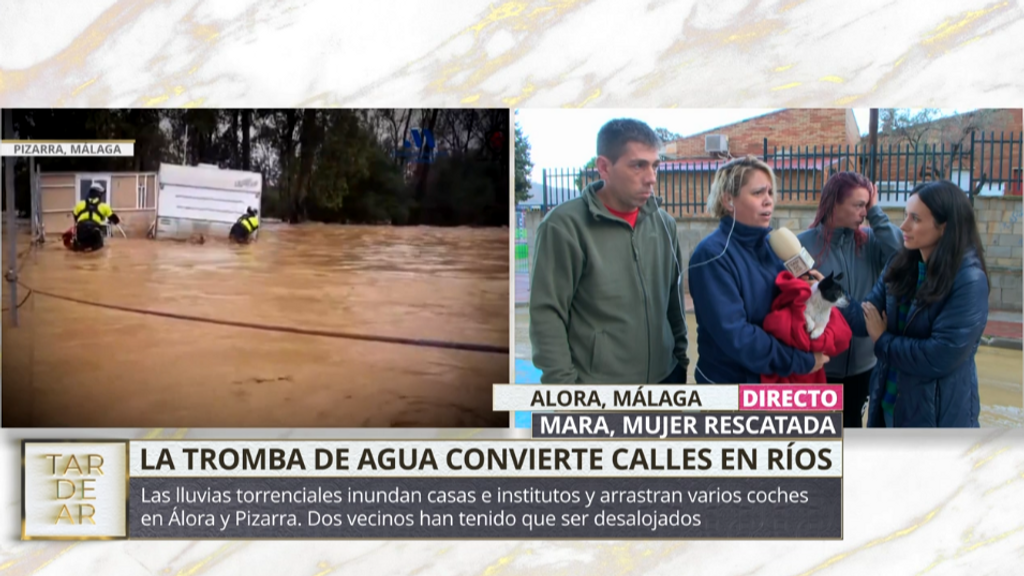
x: 73, y: 364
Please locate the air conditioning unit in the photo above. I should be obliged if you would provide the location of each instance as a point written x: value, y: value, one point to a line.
x: 716, y: 143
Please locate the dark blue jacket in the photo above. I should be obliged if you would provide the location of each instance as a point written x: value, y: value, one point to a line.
x: 732, y: 294
x: 934, y: 354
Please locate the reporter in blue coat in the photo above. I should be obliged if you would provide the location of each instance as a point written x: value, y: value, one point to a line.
x: 933, y: 298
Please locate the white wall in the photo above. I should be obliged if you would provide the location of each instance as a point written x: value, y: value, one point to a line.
x: 204, y: 199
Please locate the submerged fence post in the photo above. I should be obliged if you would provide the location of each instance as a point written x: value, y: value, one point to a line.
x: 32, y: 196
x: 12, y: 232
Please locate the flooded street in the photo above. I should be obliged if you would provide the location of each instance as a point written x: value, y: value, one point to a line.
x: 999, y: 373
x: 73, y: 364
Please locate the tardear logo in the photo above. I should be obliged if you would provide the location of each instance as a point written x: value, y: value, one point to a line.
x: 75, y: 479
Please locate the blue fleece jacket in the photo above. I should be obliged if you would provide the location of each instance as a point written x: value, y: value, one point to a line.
x: 934, y: 353
x: 732, y: 294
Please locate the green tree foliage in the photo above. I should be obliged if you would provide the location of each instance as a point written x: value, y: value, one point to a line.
x: 524, y: 166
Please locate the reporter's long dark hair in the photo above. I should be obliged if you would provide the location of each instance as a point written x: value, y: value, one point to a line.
x: 949, y: 205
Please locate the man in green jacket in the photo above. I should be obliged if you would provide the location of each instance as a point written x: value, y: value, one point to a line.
x: 606, y: 303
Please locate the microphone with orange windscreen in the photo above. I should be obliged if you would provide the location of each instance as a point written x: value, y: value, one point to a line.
x: 786, y: 246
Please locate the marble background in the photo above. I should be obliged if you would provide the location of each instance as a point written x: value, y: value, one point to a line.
x: 915, y: 502
x: 655, y: 53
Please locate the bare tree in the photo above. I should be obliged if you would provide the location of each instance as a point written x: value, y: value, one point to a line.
x: 956, y: 130
x: 310, y: 135
x: 246, y: 127
x: 392, y: 127
x: 667, y: 135
x: 233, y: 141
x: 901, y: 126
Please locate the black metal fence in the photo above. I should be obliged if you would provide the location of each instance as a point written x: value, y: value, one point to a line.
x: 988, y: 163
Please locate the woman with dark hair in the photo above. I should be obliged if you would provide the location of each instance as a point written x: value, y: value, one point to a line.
x: 934, y: 302
x: 839, y: 244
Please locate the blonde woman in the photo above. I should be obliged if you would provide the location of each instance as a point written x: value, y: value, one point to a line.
x: 732, y: 281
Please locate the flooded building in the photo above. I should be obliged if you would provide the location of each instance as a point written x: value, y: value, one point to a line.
x: 132, y: 195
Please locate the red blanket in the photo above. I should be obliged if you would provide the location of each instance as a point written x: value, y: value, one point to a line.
x: 786, y: 323
x: 68, y: 237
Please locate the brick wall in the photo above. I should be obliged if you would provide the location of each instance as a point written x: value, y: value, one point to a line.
x: 990, y: 159
x: 793, y: 127
x: 947, y: 129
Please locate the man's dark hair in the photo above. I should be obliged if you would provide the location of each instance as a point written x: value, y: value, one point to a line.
x: 616, y: 134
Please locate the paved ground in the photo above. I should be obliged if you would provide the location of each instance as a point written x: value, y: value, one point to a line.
x: 1005, y: 324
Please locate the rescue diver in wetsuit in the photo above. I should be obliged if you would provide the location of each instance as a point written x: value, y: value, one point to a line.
x: 90, y: 216
x: 245, y: 227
